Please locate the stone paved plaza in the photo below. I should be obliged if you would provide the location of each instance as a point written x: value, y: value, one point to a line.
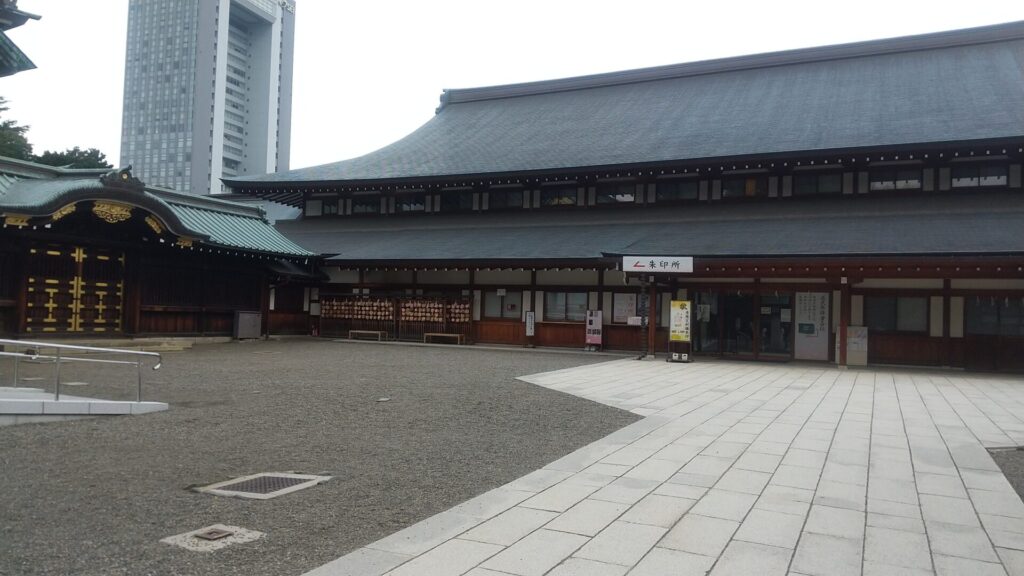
x: 741, y: 468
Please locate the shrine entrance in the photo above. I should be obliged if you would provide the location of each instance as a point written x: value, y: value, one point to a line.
x: 74, y: 290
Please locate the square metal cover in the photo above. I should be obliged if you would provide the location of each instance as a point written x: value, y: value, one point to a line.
x: 264, y: 485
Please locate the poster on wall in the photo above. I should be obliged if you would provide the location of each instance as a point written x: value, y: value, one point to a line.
x: 623, y: 307
x: 594, y: 327
x: 679, y: 321
x: 531, y: 322
x: 812, y: 330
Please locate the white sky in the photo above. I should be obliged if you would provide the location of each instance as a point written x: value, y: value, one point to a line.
x: 369, y: 72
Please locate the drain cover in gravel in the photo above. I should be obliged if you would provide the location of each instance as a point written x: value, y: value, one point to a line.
x: 263, y: 486
x: 197, y: 541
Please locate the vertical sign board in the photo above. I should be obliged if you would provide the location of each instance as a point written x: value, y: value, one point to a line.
x: 531, y: 322
x: 679, y: 321
x: 594, y: 327
x: 812, y: 326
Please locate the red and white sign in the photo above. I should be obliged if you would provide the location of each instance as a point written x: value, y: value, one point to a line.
x: 594, y: 327
x: 658, y: 264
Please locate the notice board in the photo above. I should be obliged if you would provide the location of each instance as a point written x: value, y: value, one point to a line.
x: 812, y: 326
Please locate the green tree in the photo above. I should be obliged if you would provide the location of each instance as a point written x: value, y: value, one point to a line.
x: 13, y: 142
x: 74, y: 158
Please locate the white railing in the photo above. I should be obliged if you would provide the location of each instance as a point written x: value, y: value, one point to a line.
x: 28, y: 350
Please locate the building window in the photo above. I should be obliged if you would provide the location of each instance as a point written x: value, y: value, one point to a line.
x: 677, y: 191
x: 994, y: 316
x: 975, y: 176
x: 314, y: 207
x: 558, y: 197
x: 893, y: 179
x: 815, y: 184
x: 623, y: 307
x: 504, y: 199
x: 461, y: 201
x: 507, y: 305
x: 411, y: 202
x: 616, y: 194
x: 745, y: 187
x: 896, y: 313
x: 370, y: 205
x: 330, y: 207
x: 565, y: 306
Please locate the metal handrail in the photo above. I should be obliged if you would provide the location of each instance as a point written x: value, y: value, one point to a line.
x: 32, y: 353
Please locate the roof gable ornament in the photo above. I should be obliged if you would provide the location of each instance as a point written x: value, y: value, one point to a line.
x: 122, y: 178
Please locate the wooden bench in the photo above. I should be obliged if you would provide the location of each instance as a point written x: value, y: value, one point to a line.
x: 380, y: 334
x: 457, y: 337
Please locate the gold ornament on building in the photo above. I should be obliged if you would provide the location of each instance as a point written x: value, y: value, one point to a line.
x: 184, y: 242
x: 112, y: 212
x: 16, y: 220
x: 155, y: 224
x: 62, y: 212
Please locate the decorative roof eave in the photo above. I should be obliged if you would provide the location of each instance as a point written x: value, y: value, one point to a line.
x: 116, y: 193
x: 292, y: 193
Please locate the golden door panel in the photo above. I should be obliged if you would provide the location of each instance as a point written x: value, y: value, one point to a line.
x: 73, y: 289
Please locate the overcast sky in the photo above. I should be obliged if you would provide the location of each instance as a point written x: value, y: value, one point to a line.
x: 369, y: 72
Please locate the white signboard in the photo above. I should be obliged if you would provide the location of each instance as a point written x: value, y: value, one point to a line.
x: 679, y: 321
x: 594, y: 327
x: 624, y: 306
x: 812, y: 328
x: 658, y: 264
x: 531, y: 322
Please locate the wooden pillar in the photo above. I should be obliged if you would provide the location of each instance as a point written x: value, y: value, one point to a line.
x: 264, y: 304
x: 755, y: 342
x: 844, y: 320
x: 947, y: 342
x: 652, y: 320
x: 531, y: 341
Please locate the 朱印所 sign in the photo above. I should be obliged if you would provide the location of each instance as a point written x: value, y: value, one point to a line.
x: 657, y: 264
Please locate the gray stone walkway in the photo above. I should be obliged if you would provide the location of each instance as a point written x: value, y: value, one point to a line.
x: 742, y: 468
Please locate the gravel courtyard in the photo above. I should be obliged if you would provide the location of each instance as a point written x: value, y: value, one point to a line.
x: 96, y: 496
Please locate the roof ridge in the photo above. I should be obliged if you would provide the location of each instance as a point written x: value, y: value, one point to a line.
x: 928, y: 41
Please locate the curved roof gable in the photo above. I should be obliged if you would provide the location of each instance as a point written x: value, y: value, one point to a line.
x: 946, y: 87
x: 207, y: 220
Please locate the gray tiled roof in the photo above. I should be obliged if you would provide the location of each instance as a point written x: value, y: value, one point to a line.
x: 985, y: 223
x: 954, y: 86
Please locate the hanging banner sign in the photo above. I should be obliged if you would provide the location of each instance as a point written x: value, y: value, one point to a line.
x: 658, y: 264
x: 531, y: 323
x: 679, y: 321
x: 594, y: 327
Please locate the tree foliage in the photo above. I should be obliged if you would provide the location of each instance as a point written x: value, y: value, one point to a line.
x: 13, y: 142
x: 74, y: 158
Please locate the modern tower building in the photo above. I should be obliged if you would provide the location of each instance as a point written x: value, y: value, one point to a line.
x: 207, y: 90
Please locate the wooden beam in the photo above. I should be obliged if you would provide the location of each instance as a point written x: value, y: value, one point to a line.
x: 652, y: 320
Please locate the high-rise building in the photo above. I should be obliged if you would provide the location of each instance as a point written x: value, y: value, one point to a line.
x: 207, y: 90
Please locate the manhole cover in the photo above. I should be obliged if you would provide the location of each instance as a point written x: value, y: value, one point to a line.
x: 212, y: 538
x: 264, y: 485
x: 213, y: 534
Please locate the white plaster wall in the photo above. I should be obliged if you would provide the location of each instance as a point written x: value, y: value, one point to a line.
x: 956, y: 317
x: 919, y: 283
x: 606, y: 306
x: 935, y: 318
x: 567, y: 277
x: 614, y: 278
x: 476, y: 305
x: 500, y: 277
x: 388, y: 277
x: 592, y: 301
x: 540, y: 306
x: 837, y: 306
x: 856, y: 310
x: 987, y: 284
x: 442, y: 277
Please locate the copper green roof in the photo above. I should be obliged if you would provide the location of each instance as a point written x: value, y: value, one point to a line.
x: 37, y: 191
x: 12, y: 59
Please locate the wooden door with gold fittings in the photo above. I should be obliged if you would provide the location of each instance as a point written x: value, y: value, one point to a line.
x: 74, y: 290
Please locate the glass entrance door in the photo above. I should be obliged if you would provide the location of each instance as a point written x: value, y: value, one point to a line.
x: 738, y: 312
x: 776, y: 326
x: 706, y: 330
